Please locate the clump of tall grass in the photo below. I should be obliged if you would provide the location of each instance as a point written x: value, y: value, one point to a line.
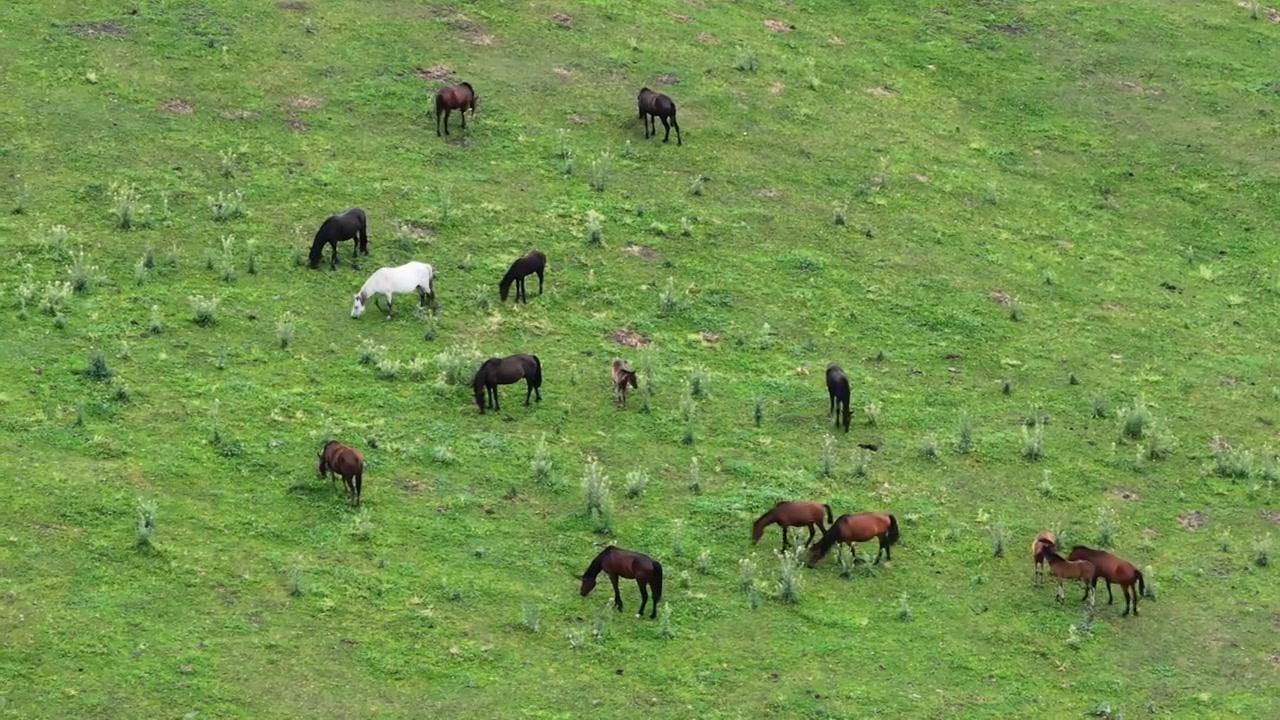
x: 699, y: 386
x: 997, y: 540
x: 141, y: 272
x: 595, y: 489
x: 81, y: 272
x: 757, y: 411
x: 686, y: 227
x: 840, y: 213
x: 703, y: 563
x: 747, y: 582
x: 251, y: 257
x: 227, y: 261
x: 1101, y: 407
x: 540, y: 465
x: 1160, y: 442
x: 698, y: 186
x: 929, y: 448
x: 284, y: 329
x: 1134, y: 420
x: 442, y: 455
x: 204, y: 310
x: 745, y: 61
x: 664, y: 622
x: 227, y: 206
x: 828, y: 462
x: 690, y: 410
x: 790, y: 575
x: 904, y: 608
x: 127, y: 206
x: 861, y: 460
x: 228, y: 165
x: 667, y: 299
x: 637, y: 481
x: 1107, y: 524
x: 530, y: 618
x: 146, y: 524
x: 457, y: 364
x: 296, y: 585
x: 368, y: 352
x: 1233, y: 463
x: 1033, y: 440
x: 964, y: 434
x: 600, y: 170
x: 1262, y: 551
x: 388, y: 368
x: 1015, y: 309
x: 695, y: 477
x: 872, y: 413
x: 155, y: 325
x: 97, y: 368
x: 595, y: 228
x: 58, y: 240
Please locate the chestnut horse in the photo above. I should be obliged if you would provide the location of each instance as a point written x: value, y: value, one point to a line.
x: 1061, y: 569
x: 657, y: 105
x: 338, y: 459
x: 461, y: 97
x: 1113, y: 570
x: 617, y: 563
x: 351, y: 225
x: 1047, y: 539
x: 792, y: 514
x: 838, y: 391
x: 623, y: 376
x: 504, y: 371
x: 533, y: 262
x: 857, y: 527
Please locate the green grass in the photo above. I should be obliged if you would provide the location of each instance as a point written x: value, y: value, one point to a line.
x: 867, y: 185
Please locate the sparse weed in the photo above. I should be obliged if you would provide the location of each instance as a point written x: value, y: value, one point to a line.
x: 664, y: 622
x: 1107, y: 523
x: 251, y: 258
x: 929, y: 448
x: 204, y: 310
x: 361, y: 527
x: 840, y: 213
x: 1033, y: 440
x: 872, y: 413
x: 129, y: 211
x: 964, y: 436
x: 442, y: 455
x: 368, y: 352
x: 388, y: 368
x: 1224, y: 541
x: 227, y: 260
x: 540, y: 465
x: 667, y: 299
x: 695, y: 477
x: 228, y: 164
x: 698, y: 186
x: 686, y: 227
x: 156, y: 324
x: 790, y: 575
x: 1262, y: 551
x: 1006, y: 387
x: 1101, y: 407
x: 1136, y: 418
x: 227, y: 206
x: 997, y: 540
x: 904, y: 608
x: 828, y: 463
x: 600, y: 170
x: 146, y: 523
x: 677, y: 538
x: 861, y: 460
x: 699, y: 387
x: 97, y: 369
x: 745, y: 61
x: 757, y: 411
x: 595, y: 228
x: 140, y: 272
x: 637, y: 481
x: 1232, y: 463
x: 284, y: 329
x: 82, y: 272
x: 457, y: 364
x: 1160, y: 442
x: 703, y: 563
x: 1015, y: 309
x: 58, y: 241
x: 595, y: 486
x: 690, y: 410
x: 531, y: 618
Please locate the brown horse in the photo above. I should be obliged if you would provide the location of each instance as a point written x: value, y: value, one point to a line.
x: 504, y: 371
x: 533, y: 262
x: 792, y: 514
x: 623, y: 376
x: 461, y: 97
x: 1113, y: 570
x: 838, y: 391
x: 338, y: 459
x: 857, y: 527
x: 1044, y: 538
x: 657, y: 105
x: 632, y: 565
x: 1061, y: 569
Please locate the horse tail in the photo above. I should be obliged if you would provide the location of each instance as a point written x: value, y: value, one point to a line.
x: 892, y: 535
x: 537, y: 365
x: 1142, y: 584
x: 656, y: 583
x: 830, y: 518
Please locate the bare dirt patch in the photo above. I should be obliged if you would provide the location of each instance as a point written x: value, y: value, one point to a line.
x: 302, y: 102
x: 293, y: 5
x: 642, y: 252
x: 562, y: 20
x: 1191, y: 520
x: 1272, y: 515
x: 668, y: 79
x: 680, y: 18
x: 178, y: 107
x: 1149, y: 533
x: 1112, y: 306
x: 563, y: 73
x: 882, y: 91
x: 1125, y: 494
x: 778, y: 26
x: 1218, y: 444
x: 435, y: 72
x: 777, y: 88
x: 769, y: 193
x: 706, y: 39
x: 1012, y: 29
x: 1272, y: 14
x: 412, y: 487
x: 580, y: 119
x: 417, y: 229
x: 920, y: 178
x: 1133, y: 87
x: 482, y: 39
x: 100, y: 29
x: 835, y: 40
x: 629, y: 338
x: 1273, y: 659
x: 711, y: 337
x: 999, y: 297
x: 297, y: 125
x: 239, y: 115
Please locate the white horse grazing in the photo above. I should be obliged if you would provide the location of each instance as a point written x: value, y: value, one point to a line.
x: 409, y: 277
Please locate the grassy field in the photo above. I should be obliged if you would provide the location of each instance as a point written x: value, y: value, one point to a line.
x: 1040, y: 238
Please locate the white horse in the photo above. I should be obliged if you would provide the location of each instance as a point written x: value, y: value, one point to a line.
x: 410, y: 277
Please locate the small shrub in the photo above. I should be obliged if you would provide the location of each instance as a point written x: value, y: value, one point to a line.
x: 361, y: 527
x: 757, y: 411
x: 122, y: 394
x: 1033, y: 440
x: 602, y: 520
x: 929, y: 449
x: 82, y: 272
x: 1006, y: 387
x: 1224, y: 541
x: 204, y: 310
x: 58, y: 241
x: 1232, y: 463
x: 368, y: 352
x: 677, y: 538
x: 577, y: 638
x: 861, y: 463
x: 127, y: 206
x: 695, y: 477
x: 1106, y: 526
x: 140, y: 272
x: 97, y: 368
x: 595, y: 486
x: 457, y: 364
x: 845, y: 564
x: 664, y: 622
x: 1101, y: 407
x: 540, y: 465
x: 600, y: 168
x: 530, y: 618
x: 563, y: 151
x: 228, y: 158
x: 146, y: 523
x: 840, y: 213
x: 442, y: 455
x: 444, y: 208
x: 698, y: 186
x: 997, y: 540
x: 1015, y: 309
x: 828, y: 466
x: 1262, y: 551
x: 667, y: 300
x: 745, y: 61
x: 1160, y: 443
x: 637, y: 481
x: 227, y: 261
x: 703, y: 563
x: 284, y: 329
x: 690, y: 417
x: 790, y: 574
x: 251, y: 261
x: 595, y: 228
x: 1136, y: 420
x: 227, y: 206
x: 699, y: 387
x: 686, y: 227
x: 964, y: 436
x: 658, y: 229
x: 904, y: 609
x: 417, y: 368
x: 746, y: 574
x: 1072, y: 379
x: 1048, y: 277
x: 872, y: 413
x: 155, y: 326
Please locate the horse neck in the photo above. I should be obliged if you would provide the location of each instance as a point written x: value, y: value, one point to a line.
x: 597, y: 565
x: 770, y: 516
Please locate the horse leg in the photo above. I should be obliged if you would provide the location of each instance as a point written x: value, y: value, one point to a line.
x: 1091, y: 585
x: 1134, y: 590
x: 617, y: 596
x: 644, y: 120
x: 888, y: 549
x: 463, y: 114
x: 539, y: 282
x: 439, y: 110
x: 809, y: 542
x: 447, y: 113
x: 359, y: 485
x: 333, y: 260
x: 389, y: 297
x: 1062, y: 596
x: 665, y: 126
x: 676, y: 125
x: 644, y: 597
x: 784, y: 536
x: 1110, y: 597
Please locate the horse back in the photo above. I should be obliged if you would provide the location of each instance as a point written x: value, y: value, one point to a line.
x: 860, y: 527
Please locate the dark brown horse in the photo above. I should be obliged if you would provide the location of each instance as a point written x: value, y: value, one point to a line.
x: 350, y: 225
x: 838, y: 392
x: 1045, y: 538
x: 533, y: 262
x: 1061, y: 569
x: 337, y: 459
x: 1113, y: 570
x: 504, y: 371
x: 792, y: 514
x: 461, y: 97
x: 632, y: 565
x: 857, y: 527
x: 623, y: 376
x: 657, y: 105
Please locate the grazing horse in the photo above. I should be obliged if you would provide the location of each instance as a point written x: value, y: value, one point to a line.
x: 838, y: 391
x: 792, y: 514
x: 857, y: 527
x: 461, y: 97
x: 623, y: 376
x: 657, y: 105
x: 1113, y: 570
x: 338, y: 459
x: 1081, y: 570
x: 409, y: 277
x: 533, y: 262
x: 1045, y: 538
x: 632, y: 565
x: 350, y: 225
x: 504, y: 371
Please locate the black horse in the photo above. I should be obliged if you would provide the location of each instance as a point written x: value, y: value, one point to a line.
x: 838, y: 390
x: 350, y: 225
x: 534, y: 262
x: 657, y: 105
x: 504, y: 371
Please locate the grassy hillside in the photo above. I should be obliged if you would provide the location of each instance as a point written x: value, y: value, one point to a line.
x: 1049, y: 224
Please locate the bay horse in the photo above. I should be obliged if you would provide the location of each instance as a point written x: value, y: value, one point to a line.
x: 505, y: 371
x: 410, y: 277
x: 350, y: 225
x: 792, y: 514
x: 461, y: 97
x: 851, y: 528
x: 838, y: 393
x: 337, y: 459
x: 1116, y: 570
x: 623, y: 376
x: 533, y: 262
x: 657, y: 105
x: 617, y: 563
x: 1061, y: 569
x: 1044, y: 538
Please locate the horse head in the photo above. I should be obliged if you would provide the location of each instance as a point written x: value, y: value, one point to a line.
x: 357, y: 305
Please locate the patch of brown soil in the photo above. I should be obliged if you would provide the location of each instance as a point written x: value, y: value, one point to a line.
x: 418, y: 229
x: 668, y: 79
x: 1112, y: 307
x: 1226, y: 381
x: 920, y: 178
x: 1064, y: 245
x: 629, y: 338
x: 1272, y: 515
x: 563, y: 73
x: 1149, y: 533
x: 239, y: 115
x: 580, y: 119
x: 778, y: 25
x: 99, y: 29
x: 412, y: 487
x: 680, y: 18
x: 1272, y: 14
x: 1125, y: 494
x: 777, y: 88
x: 293, y: 5
x: 769, y: 193
x: 710, y: 336
x: 562, y: 20
x: 302, y: 102
x: 435, y: 72
x: 643, y: 252
x: 706, y: 39
x: 178, y: 107
x: 297, y: 125
x: 1273, y: 659
x: 1191, y: 520
x: 835, y: 40
x: 482, y: 39
x: 1134, y: 87
x: 882, y: 91
x: 999, y: 296
x: 1014, y: 30
x: 1218, y: 444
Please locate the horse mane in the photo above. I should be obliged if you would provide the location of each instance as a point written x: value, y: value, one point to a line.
x: 597, y: 564
x: 760, y: 521
x: 829, y: 538
x: 467, y: 85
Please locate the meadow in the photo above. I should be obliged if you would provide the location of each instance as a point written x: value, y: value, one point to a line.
x: 1039, y: 237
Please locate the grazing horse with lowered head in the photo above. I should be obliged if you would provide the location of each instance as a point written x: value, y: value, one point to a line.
x: 416, y: 277
x: 838, y: 393
x: 1045, y: 538
x: 461, y: 97
x: 1116, y: 570
x: 337, y: 460
x: 857, y: 527
x: 350, y: 225
x: 623, y: 376
x: 617, y: 563
x: 1081, y: 570
x: 788, y: 514
x: 504, y: 371
x: 533, y: 262
x: 656, y: 105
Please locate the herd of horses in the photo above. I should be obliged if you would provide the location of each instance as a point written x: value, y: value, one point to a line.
x: 1085, y: 564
